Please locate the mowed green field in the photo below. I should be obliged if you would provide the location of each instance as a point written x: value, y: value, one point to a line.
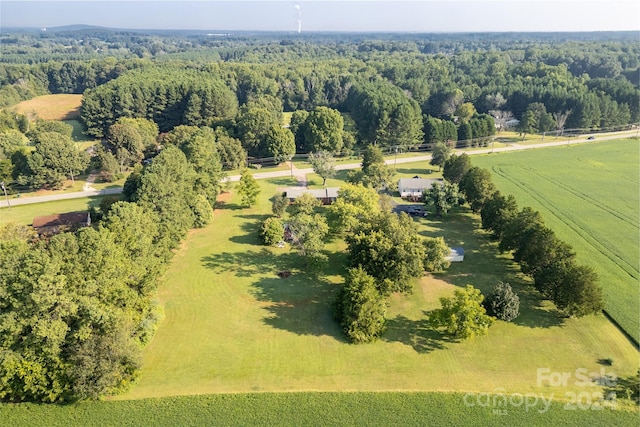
x: 589, y: 195
x: 233, y: 326
x: 24, y: 214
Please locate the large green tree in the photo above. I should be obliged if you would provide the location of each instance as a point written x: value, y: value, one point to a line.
x: 308, y: 233
x: 281, y: 144
x: 463, y: 315
x: 439, y: 154
x: 455, y: 167
x: 384, y: 115
x: 389, y: 248
x: 503, y: 303
x: 354, y: 204
x: 361, y: 308
x: 323, y: 164
x: 323, y: 129
x: 496, y: 213
x: 436, y: 252
x: 166, y: 187
x: 248, y: 189
x: 54, y: 158
x: 477, y: 187
x: 375, y: 173
x: 443, y: 196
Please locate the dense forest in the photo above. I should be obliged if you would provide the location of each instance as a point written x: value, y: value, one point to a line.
x: 177, y: 109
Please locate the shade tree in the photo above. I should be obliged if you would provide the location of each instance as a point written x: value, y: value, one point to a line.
x: 360, y: 307
x: 354, y: 204
x: 496, y: 213
x: 280, y: 143
x: 439, y: 154
x: 323, y: 130
x: 455, y: 167
x: 462, y: 316
x: 477, y: 187
x: 271, y: 231
x: 436, y: 252
x: 442, y: 196
x: 323, y: 164
x: 389, y: 248
x: 248, y: 189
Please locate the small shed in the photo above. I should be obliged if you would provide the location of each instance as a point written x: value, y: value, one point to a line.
x: 326, y: 195
x: 54, y: 224
x: 412, y: 188
x: 456, y: 255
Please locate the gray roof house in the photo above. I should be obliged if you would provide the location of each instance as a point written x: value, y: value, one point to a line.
x: 414, y: 187
x: 325, y: 195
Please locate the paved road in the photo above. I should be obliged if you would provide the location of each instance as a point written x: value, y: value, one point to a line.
x: 427, y: 157
x: 303, y: 172
x: 62, y: 196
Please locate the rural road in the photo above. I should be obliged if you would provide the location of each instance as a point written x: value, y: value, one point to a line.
x: 302, y: 172
x: 427, y: 157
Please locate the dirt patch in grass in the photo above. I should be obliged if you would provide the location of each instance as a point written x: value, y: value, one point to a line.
x: 223, y: 198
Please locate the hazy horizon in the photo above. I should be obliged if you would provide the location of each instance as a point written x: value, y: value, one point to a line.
x: 330, y: 16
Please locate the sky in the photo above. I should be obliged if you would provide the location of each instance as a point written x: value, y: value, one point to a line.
x: 331, y: 15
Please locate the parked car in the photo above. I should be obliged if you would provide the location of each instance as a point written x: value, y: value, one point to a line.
x: 416, y: 210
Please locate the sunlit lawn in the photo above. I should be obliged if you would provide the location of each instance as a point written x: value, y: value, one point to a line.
x: 24, y: 214
x: 232, y: 325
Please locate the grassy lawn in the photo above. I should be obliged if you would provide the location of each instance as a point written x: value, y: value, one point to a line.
x: 24, y: 214
x: 327, y: 409
x: 231, y: 325
x: 589, y: 195
x: 53, y: 107
x: 234, y: 333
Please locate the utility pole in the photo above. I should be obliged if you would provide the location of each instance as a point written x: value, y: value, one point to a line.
x: 5, y: 193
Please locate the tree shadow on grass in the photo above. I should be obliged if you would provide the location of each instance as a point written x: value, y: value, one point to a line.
x: 536, y: 312
x: 225, y: 205
x: 251, y: 227
x: 300, y: 304
x: 421, y: 172
x: 284, y: 181
x: 416, y: 333
x: 248, y: 263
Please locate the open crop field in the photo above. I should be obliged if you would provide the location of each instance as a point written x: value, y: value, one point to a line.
x: 53, y: 107
x: 589, y: 195
x: 309, y: 409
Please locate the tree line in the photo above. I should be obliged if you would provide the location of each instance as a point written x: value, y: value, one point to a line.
x: 77, y: 308
x: 542, y: 256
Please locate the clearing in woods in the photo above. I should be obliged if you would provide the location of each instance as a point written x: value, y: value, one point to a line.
x: 53, y: 107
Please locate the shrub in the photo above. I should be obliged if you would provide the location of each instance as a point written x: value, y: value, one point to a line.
x: 271, y: 231
x: 463, y: 315
x: 503, y: 303
x: 361, y: 307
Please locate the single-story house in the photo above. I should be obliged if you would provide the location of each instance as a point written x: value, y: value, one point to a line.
x: 456, y: 255
x: 414, y: 187
x: 54, y: 224
x: 326, y: 195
